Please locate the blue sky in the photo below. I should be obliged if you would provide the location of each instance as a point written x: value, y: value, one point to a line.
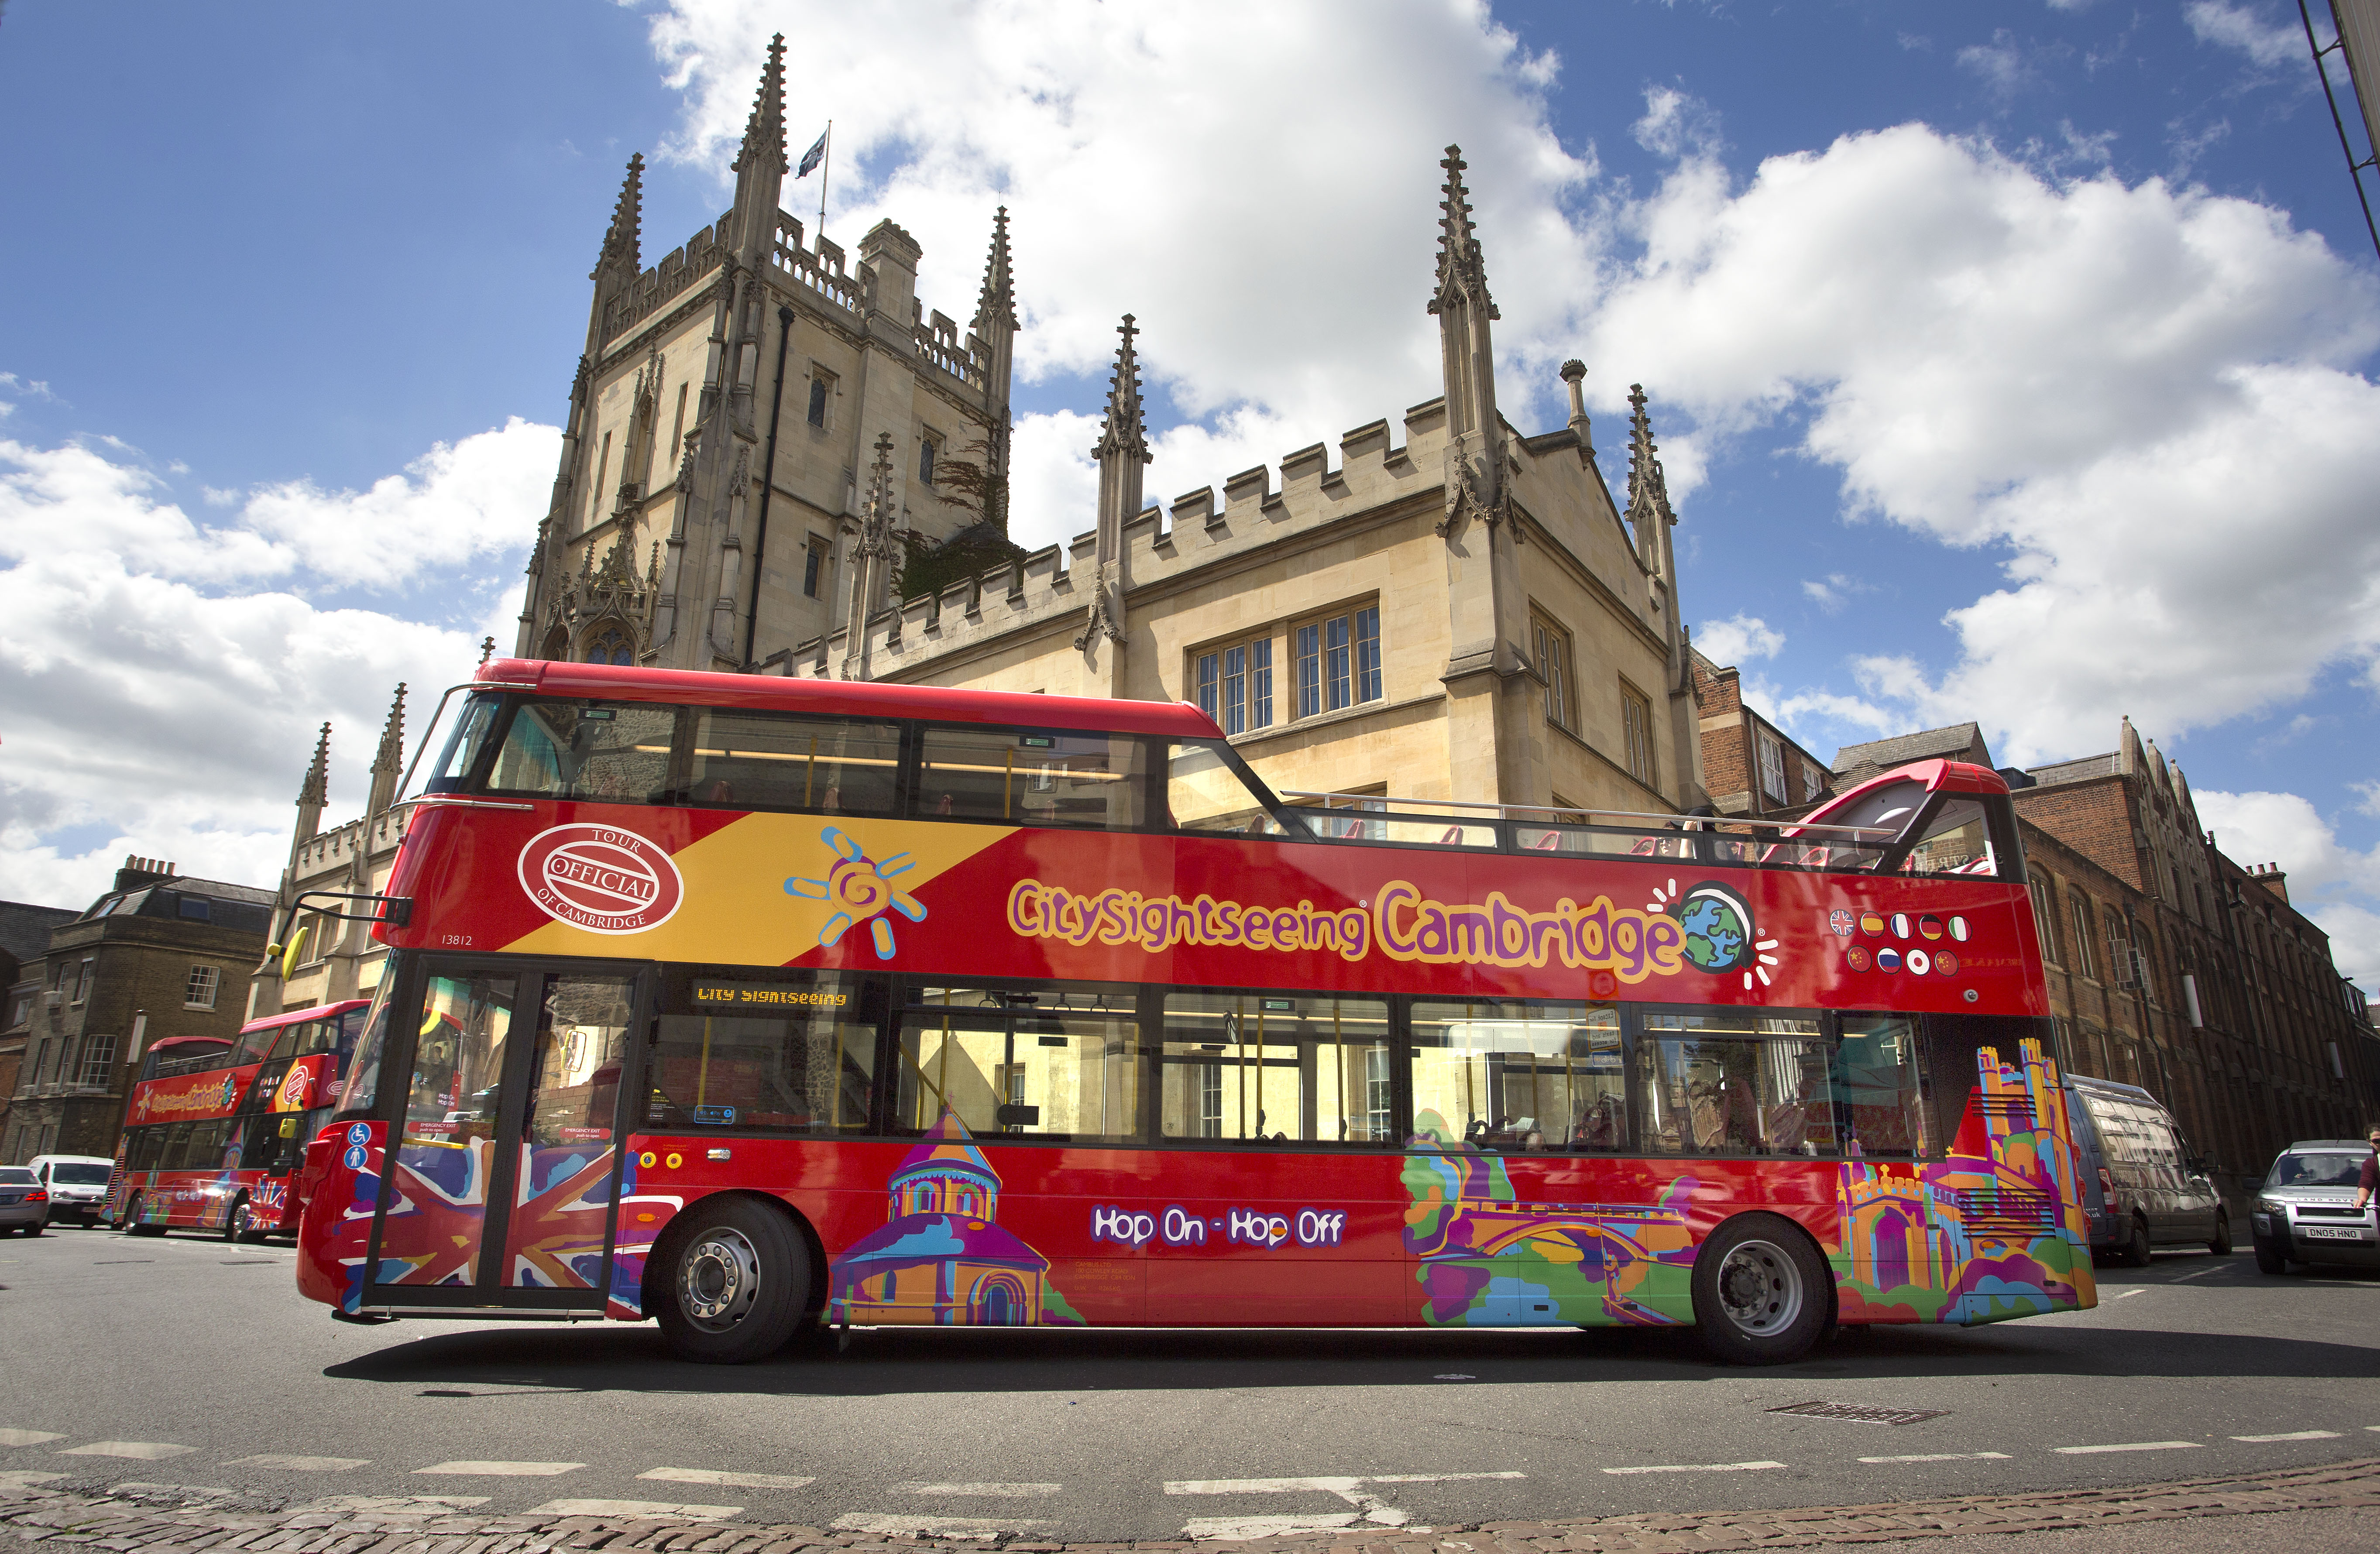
x: 2011, y: 362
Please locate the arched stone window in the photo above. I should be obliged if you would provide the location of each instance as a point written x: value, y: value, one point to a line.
x: 610, y: 645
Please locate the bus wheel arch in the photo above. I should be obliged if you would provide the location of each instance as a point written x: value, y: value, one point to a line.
x: 1764, y: 1293
x: 731, y: 1278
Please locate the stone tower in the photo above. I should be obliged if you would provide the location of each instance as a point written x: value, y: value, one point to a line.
x: 708, y: 509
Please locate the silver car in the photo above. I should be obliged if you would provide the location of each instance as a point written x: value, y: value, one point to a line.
x: 2305, y: 1212
x: 24, y: 1202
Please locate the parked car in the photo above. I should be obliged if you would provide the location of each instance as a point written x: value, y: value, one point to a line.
x: 2143, y: 1186
x: 77, y: 1186
x: 2305, y: 1212
x: 24, y: 1202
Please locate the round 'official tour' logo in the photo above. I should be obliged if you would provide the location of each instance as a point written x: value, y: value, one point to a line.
x: 600, y: 879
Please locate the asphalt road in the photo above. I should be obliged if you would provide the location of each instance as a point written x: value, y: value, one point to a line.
x: 188, y: 1361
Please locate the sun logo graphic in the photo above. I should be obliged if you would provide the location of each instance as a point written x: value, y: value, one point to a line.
x: 862, y: 890
x: 1717, y: 924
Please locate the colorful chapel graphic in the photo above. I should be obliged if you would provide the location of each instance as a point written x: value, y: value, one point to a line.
x: 940, y: 1258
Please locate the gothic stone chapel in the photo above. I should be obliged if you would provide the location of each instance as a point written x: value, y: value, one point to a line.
x: 1450, y: 609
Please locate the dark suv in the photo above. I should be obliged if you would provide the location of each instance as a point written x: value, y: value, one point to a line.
x: 2305, y: 1212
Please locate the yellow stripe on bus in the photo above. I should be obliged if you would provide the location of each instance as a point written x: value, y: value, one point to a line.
x: 736, y: 907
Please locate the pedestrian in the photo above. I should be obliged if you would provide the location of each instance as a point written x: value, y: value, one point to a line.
x: 2370, y: 1178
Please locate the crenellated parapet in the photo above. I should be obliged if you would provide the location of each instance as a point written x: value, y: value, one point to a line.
x: 1163, y: 545
x: 656, y: 287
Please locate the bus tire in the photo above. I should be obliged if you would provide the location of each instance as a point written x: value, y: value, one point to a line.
x: 240, y: 1223
x: 734, y: 1281
x: 1762, y: 1295
x: 132, y: 1225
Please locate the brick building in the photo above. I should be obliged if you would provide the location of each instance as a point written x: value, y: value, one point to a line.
x: 2168, y: 966
x: 159, y: 955
x: 24, y: 942
x: 2186, y: 972
x: 1750, y: 766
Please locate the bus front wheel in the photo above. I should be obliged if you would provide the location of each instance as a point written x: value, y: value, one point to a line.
x: 1762, y: 1293
x: 132, y: 1225
x: 241, y: 1225
x: 735, y: 1283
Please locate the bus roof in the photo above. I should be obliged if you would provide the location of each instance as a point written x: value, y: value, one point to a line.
x: 1933, y: 776
x: 863, y: 698
x: 291, y: 1017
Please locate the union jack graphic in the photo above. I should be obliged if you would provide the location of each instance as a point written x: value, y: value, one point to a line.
x: 555, y: 1240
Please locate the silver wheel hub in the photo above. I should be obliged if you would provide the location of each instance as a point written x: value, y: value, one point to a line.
x: 717, y: 1280
x: 1760, y: 1288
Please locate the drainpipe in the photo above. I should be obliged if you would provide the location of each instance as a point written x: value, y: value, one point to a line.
x: 768, y: 488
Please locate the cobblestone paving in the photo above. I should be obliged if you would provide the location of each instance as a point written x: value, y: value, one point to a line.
x: 173, y: 1519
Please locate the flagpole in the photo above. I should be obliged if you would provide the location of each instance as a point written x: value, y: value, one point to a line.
x: 825, y: 165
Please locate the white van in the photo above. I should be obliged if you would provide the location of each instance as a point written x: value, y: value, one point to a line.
x: 77, y: 1186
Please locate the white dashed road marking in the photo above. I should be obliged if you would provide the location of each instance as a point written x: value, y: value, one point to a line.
x: 2128, y: 1446
x: 1945, y: 1457
x: 301, y: 1464
x: 2130, y: 1293
x: 2199, y: 1273
x: 503, y: 1470
x: 1369, y: 1507
x: 728, y: 1480
x: 2294, y: 1435
x: 954, y: 1526
x: 1702, y: 1467
x: 144, y: 1450
x: 1001, y: 1491
x: 637, y: 1508
x: 28, y: 1438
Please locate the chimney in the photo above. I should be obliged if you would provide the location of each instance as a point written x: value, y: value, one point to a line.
x: 2273, y: 877
x: 139, y: 871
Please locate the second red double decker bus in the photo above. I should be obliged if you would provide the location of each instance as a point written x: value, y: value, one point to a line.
x: 742, y: 1002
x: 212, y: 1139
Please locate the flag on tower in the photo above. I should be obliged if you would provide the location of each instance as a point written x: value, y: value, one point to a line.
x: 811, y: 158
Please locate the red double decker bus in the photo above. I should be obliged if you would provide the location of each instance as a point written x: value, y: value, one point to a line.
x: 741, y: 1004
x: 212, y: 1139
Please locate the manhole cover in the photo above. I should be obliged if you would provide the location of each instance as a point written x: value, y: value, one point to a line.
x: 1858, y: 1413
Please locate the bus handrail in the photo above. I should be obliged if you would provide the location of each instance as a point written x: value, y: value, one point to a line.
x: 1549, y: 814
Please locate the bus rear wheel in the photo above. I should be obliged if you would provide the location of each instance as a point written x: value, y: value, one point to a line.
x: 735, y: 1283
x: 1762, y: 1293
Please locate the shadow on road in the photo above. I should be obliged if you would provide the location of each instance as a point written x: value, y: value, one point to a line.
x: 892, y: 1362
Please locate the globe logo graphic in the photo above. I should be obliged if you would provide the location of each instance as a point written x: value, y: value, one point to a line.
x: 1718, y: 926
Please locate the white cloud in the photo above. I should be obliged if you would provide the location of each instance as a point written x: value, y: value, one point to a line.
x: 2330, y: 883
x: 1834, y: 592
x: 1738, y: 639
x: 160, y: 695
x: 2143, y: 396
x: 2263, y: 38
x: 1259, y: 183
x: 454, y: 505
x: 24, y: 388
x: 2369, y: 804
x: 2000, y: 64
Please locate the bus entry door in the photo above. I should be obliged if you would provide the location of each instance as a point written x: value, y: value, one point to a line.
x: 505, y: 1172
